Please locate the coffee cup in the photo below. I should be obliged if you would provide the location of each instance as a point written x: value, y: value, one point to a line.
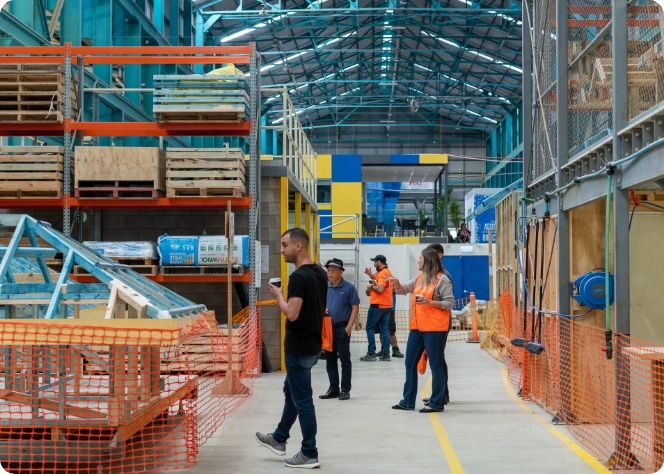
x: 419, y: 297
x: 276, y: 282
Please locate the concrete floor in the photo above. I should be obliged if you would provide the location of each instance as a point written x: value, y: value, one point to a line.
x: 488, y: 430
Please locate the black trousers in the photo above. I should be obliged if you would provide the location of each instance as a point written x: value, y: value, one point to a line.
x: 341, y: 351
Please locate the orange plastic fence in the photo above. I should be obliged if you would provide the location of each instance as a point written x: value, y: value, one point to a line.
x: 461, y: 323
x: 614, y: 407
x: 120, y: 396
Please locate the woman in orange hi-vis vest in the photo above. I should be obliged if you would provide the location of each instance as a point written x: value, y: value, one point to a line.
x: 432, y: 301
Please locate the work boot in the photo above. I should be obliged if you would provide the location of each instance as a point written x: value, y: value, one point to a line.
x: 385, y: 357
x: 269, y: 442
x: 397, y: 353
x: 369, y: 358
x: 300, y: 460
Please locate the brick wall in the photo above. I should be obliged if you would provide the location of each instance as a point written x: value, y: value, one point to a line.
x: 271, y: 236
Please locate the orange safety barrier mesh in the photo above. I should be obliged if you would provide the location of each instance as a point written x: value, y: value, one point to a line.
x: 118, y: 395
x: 461, y: 322
x: 614, y: 407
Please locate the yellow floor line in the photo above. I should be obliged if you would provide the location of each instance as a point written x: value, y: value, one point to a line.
x: 578, y: 450
x: 443, y: 439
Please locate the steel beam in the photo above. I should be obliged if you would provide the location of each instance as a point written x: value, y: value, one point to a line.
x: 24, y: 11
x: 71, y: 23
x: 133, y: 11
x: 159, y: 16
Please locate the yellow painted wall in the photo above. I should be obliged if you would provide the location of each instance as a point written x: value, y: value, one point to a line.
x: 346, y: 199
x: 324, y: 167
x: 433, y: 159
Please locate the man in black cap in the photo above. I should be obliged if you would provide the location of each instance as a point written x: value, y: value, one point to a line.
x: 380, y: 305
x: 343, y: 305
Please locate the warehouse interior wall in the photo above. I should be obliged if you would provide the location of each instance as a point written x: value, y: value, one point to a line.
x: 645, y: 270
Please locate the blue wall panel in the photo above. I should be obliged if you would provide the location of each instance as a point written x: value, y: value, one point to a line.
x: 404, y: 159
x: 325, y: 222
x: 469, y: 274
x: 346, y: 168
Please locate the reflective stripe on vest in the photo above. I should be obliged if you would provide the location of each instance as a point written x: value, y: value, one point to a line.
x: 426, y: 318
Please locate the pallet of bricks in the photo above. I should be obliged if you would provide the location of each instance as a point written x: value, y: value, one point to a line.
x: 205, y: 172
x: 201, y: 98
x: 119, y: 172
x: 34, y: 93
x: 35, y: 172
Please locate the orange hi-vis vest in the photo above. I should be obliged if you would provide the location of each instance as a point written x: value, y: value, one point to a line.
x: 384, y: 299
x: 427, y: 318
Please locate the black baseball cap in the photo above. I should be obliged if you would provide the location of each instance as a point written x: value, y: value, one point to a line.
x: 335, y: 262
x: 380, y: 258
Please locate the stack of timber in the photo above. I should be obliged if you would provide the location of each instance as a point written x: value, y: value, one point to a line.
x: 507, y: 265
x: 31, y: 172
x: 119, y: 172
x: 205, y: 172
x: 34, y: 93
x: 200, y: 98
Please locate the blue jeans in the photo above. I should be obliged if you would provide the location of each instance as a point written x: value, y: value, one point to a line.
x: 434, y: 343
x: 380, y: 316
x: 299, y: 403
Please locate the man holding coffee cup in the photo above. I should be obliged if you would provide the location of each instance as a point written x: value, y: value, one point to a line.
x: 304, y: 310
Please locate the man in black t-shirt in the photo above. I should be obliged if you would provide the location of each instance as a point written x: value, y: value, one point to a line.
x: 304, y: 310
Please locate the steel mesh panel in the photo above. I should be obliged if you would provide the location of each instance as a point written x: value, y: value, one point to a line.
x: 546, y: 125
x: 590, y: 101
x: 645, y: 63
x: 544, y: 58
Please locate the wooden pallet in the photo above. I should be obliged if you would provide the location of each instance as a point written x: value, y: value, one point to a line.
x: 148, y: 270
x: 205, y: 172
x: 31, y: 172
x: 136, y: 260
x: 31, y: 116
x: 117, y: 190
x: 198, y: 116
x: 34, y: 93
x: 184, y: 270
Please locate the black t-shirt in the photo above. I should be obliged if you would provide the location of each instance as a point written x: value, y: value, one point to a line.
x: 304, y: 336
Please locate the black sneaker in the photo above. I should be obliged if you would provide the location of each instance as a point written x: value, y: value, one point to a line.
x: 369, y: 358
x: 385, y: 357
x: 397, y: 353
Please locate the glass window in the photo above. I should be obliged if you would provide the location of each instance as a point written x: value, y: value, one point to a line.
x: 324, y: 191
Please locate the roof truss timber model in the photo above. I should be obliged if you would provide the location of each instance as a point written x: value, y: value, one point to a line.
x: 118, y: 284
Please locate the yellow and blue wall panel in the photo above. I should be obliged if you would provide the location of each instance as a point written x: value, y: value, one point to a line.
x: 400, y: 240
x: 420, y: 159
x: 345, y: 174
